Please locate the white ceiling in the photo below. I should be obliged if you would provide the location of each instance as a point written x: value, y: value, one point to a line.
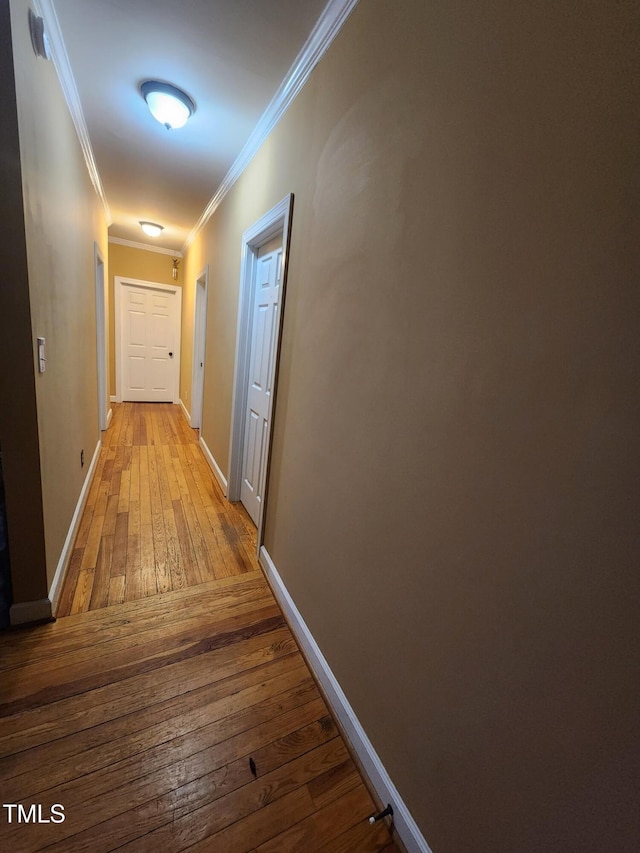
x: 230, y: 56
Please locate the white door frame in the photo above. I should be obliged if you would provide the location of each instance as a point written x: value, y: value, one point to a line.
x: 274, y: 223
x: 101, y: 337
x: 119, y: 281
x: 199, y: 347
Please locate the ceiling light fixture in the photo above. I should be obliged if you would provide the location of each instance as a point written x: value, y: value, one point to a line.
x: 170, y: 106
x: 152, y: 229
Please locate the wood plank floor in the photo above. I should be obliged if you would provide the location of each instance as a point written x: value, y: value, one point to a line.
x: 141, y: 719
x: 155, y: 519
x: 172, y: 710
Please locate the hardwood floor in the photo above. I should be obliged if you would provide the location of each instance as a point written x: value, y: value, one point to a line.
x: 155, y: 519
x: 177, y: 719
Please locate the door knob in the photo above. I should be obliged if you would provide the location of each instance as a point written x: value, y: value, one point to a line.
x: 171, y: 355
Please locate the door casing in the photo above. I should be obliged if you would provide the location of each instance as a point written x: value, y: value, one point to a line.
x: 276, y: 222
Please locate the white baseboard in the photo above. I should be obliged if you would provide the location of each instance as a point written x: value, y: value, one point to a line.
x: 30, y: 611
x: 217, y: 473
x: 109, y: 416
x: 113, y: 398
x: 65, y: 556
x: 405, y: 825
x: 185, y: 412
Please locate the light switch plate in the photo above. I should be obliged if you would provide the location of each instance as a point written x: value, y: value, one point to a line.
x: 41, y: 357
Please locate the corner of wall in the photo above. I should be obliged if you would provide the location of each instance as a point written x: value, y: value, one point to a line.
x: 19, y: 439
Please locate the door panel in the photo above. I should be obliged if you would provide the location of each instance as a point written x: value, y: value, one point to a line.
x: 137, y: 322
x: 136, y: 366
x: 159, y: 381
x: 160, y: 331
x: 252, y: 451
x: 260, y: 363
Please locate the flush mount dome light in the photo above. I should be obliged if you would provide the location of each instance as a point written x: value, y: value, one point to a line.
x: 151, y: 228
x: 167, y: 104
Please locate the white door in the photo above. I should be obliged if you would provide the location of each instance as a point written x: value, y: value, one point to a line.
x: 149, y: 344
x: 264, y: 323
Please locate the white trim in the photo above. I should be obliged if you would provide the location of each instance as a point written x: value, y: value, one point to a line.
x: 405, y: 825
x: 113, y: 399
x: 217, y: 471
x: 199, y: 346
x: 326, y: 29
x: 120, y: 281
x: 120, y: 241
x: 277, y: 221
x: 109, y: 416
x: 185, y: 411
x: 30, y: 611
x: 102, y: 336
x: 46, y: 10
x: 67, y: 548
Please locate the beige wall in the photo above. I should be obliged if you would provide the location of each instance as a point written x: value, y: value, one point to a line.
x: 453, y: 501
x: 134, y: 263
x: 62, y: 220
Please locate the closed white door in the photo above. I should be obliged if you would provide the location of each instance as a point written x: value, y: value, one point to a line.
x: 149, y: 344
x: 266, y: 304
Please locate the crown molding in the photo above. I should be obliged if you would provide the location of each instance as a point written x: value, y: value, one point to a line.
x: 60, y: 58
x: 326, y: 29
x: 146, y: 247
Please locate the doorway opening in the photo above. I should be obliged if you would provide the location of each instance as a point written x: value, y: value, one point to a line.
x: 199, y: 347
x: 263, y: 278
x: 101, y: 338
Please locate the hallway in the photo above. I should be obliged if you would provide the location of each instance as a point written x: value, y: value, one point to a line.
x: 140, y: 712
x: 155, y: 518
